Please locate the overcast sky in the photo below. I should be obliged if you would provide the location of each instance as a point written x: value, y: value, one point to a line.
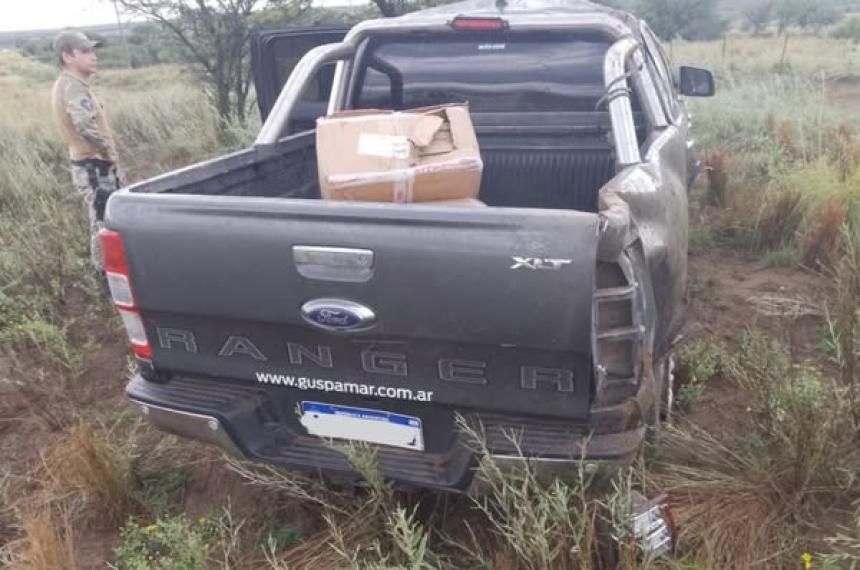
x: 48, y: 14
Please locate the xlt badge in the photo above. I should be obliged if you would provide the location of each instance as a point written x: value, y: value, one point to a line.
x: 338, y: 314
x: 538, y: 263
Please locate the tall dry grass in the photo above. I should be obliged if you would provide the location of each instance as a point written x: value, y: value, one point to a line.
x: 47, y: 284
x: 95, y: 472
x: 161, y: 121
x: 783, y: 144
x: 49, y: 542
x: 762, y: 499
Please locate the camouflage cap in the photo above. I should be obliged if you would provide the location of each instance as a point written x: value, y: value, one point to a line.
x: 68, y: 40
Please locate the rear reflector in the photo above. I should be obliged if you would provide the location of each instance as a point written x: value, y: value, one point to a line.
x: 119, y: 283
x: 136, y: 333
x: 120, y: 289
x: 479, y: 24
x: 113, y: 252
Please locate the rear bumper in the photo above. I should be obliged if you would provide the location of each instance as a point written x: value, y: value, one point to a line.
x: 239, y: 419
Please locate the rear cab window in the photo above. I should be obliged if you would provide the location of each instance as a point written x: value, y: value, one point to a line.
x: 494, y: 73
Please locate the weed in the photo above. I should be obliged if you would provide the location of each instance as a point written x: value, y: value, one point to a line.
x: 846, y: 328
x: 704, y: 238
x: 169, y: 543
x: 90, y: 464
x: 702, y: 289
x: 798, y: 458
x: 820, y: 243
x: 48, y: 339
x: 846, y: 151
x: 845, y: 546
x: 161, y: 490
x: 779, y: 219
x: 223, y: 535
x: 717, y: 167
x: 534, y: 522
x: 276, y: 536
x: 697, y: 364
x: 786, y: 256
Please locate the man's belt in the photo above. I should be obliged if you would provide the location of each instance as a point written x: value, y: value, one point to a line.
x: 101, y: 164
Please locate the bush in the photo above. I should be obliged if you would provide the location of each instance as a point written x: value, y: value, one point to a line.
x: 739, y: 502
x: 698, y: 363
x: 170, y: 543
x: 849, y: 29
x: 90, y: 465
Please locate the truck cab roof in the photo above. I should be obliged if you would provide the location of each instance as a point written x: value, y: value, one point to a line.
x: 540, y: 14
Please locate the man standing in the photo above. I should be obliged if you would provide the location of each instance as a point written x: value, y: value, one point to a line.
x: 84, y: 128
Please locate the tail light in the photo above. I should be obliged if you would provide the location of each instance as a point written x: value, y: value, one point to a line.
x: 119, y: 283
x: 479, y: 24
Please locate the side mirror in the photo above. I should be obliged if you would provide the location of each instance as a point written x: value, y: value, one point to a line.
x: 696, y: 82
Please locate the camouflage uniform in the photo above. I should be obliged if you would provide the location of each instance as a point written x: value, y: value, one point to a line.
x: 92, y: 153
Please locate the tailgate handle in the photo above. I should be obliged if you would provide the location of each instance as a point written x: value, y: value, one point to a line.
x: 326, y: 263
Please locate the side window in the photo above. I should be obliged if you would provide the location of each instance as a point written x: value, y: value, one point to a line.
x: 314, y: 100
x: 656, y: 60
x: 274, y: 55
x: 376, y: 91
x: 319, y: 88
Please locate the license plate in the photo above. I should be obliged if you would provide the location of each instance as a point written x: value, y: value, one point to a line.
x: 360, y: 424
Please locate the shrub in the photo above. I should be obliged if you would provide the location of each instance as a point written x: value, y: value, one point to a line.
x: 99, y: 471
x: 821, y: 241
x: 740, y: 503
x: 698, y: 363
x: 780, y: 216
x: 849, y: 29
x: 169, y: 543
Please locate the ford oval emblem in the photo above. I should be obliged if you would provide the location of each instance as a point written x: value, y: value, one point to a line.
x: 338, y: 314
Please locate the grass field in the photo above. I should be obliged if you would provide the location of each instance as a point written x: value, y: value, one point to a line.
x: 761, y: 464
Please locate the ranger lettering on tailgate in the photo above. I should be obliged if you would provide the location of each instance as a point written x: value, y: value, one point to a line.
x: 371, y: 361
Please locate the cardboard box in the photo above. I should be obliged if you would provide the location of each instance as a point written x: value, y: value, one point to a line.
x: 408, y: 156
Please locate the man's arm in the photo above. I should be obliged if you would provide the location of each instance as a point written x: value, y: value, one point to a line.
x: 82, y: 110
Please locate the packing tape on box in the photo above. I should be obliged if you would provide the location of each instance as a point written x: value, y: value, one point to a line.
x: 402, y: 179
x: 402, y: 182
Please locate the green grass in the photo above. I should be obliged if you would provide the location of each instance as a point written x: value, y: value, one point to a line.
x: 698, y: 363
x: 784, y: 146
x: 742, y: 56
x: 169, y: 543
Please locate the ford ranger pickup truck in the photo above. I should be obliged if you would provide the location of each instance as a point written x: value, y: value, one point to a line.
x: 271, y: 323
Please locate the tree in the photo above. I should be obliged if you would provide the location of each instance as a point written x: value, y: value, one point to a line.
x: 688, y: 19
x: 214, y: 38
x: 849, y: 29
x: 390, y: 8
x: 757, y: 16
x: 817, y: 15
x: 807, y: 14
x: 786, y: 13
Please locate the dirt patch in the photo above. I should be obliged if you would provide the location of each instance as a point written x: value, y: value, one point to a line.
x: 728, y: 293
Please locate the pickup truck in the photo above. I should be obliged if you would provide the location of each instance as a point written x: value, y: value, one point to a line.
x: 271, y: 323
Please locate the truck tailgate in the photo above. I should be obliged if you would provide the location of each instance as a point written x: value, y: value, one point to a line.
x: 486, y: 308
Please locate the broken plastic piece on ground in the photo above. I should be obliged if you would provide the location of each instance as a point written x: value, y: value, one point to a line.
x: 653, y: 525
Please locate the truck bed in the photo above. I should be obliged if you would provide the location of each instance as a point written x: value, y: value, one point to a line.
x: 526, y: 165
